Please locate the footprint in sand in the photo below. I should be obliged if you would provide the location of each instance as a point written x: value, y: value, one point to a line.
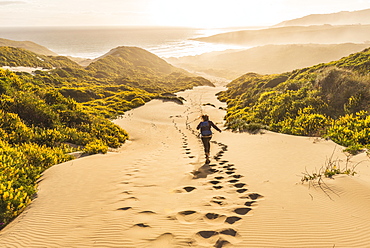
x: 219, y: 200
x: 218, y: 187
x: 222, y: 243
x: 189, y: 188
x: 207, y: 234
x: 139, y: 230
x: 233, y: 181
x: 253, y: 196
x: 242, y: 211
x: 249, y: 203
x: 186, y: 189
x: 141, y: 225
x: 217, y: 158
x: 237, y: 176
x: 214, y: 219
x: 239, y: 185
x: 125, y: 208
x: 240, y: 191
x: 206, y: 238
x: 188, y: 216
x: 220, y: 238
x: 233, y: 219
x: 147, y: 212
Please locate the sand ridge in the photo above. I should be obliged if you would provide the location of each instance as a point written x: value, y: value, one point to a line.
x: 157, y: 190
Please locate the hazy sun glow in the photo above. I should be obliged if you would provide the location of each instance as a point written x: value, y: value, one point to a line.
x: 193, y: 13
x: 211, y: 13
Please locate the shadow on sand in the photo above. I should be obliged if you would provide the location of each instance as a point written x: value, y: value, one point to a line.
x: 203, y: 171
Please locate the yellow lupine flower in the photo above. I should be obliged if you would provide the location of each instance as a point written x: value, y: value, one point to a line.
x: 9, y: 185
x: 5, y: 195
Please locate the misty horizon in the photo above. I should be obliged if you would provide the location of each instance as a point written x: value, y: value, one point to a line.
x: 166, y: 13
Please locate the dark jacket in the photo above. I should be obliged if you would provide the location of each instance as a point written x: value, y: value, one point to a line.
x: 205, y: 128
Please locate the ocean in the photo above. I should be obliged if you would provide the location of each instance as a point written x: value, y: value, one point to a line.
x: 92, y: 42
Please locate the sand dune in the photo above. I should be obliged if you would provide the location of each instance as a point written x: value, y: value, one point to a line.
x: 157, y: 191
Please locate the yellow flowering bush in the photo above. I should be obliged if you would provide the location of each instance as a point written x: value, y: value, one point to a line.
x: 96, y: 146
x: 21, y: 166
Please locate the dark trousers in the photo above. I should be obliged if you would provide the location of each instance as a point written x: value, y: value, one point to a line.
x: 206, y: 144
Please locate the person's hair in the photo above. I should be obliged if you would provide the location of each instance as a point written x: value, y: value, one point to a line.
x: 205, y: 117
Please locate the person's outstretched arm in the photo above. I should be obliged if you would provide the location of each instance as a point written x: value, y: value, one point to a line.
x: 198, y: 127
x: 214, y: 126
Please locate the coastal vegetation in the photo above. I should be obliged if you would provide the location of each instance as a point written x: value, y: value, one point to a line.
x: 47, y: 115
x: 331, y: 168
x: 330, y: 100
x: 27, y: 45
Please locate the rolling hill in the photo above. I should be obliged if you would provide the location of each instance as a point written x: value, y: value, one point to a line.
x: 340, y: 18
x: 329, y: 99
x: 319, y: 34
x: 28, y: 45
x: 265, y: 59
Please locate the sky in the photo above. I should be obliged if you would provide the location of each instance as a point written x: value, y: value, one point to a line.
x: 186, y: 13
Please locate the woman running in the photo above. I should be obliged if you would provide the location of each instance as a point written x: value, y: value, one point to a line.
x: 206, y: 133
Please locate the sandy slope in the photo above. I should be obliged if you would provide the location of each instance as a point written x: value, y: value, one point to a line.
x: 157, y: 191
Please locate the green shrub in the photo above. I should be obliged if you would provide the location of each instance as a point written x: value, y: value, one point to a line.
x: 330, y: 100
x: 305, y: 123
x: 96, y: 146
x: 49, y: 137
x: 14, y: 129
x: 21, y: 166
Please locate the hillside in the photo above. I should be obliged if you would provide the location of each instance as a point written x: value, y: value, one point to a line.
x: 340, y: 18
x: 265, y: 59
x: 39, y: 128
x: 46, y: 115
x: 28, y: 45
x: 13, y: 57
x: 123, y: 74
x: 132, y: 58
x: 331, y: 99
x: 320, y: 34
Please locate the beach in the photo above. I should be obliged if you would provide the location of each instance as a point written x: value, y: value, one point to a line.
x: 157, y: 190
x: 93, y: 42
